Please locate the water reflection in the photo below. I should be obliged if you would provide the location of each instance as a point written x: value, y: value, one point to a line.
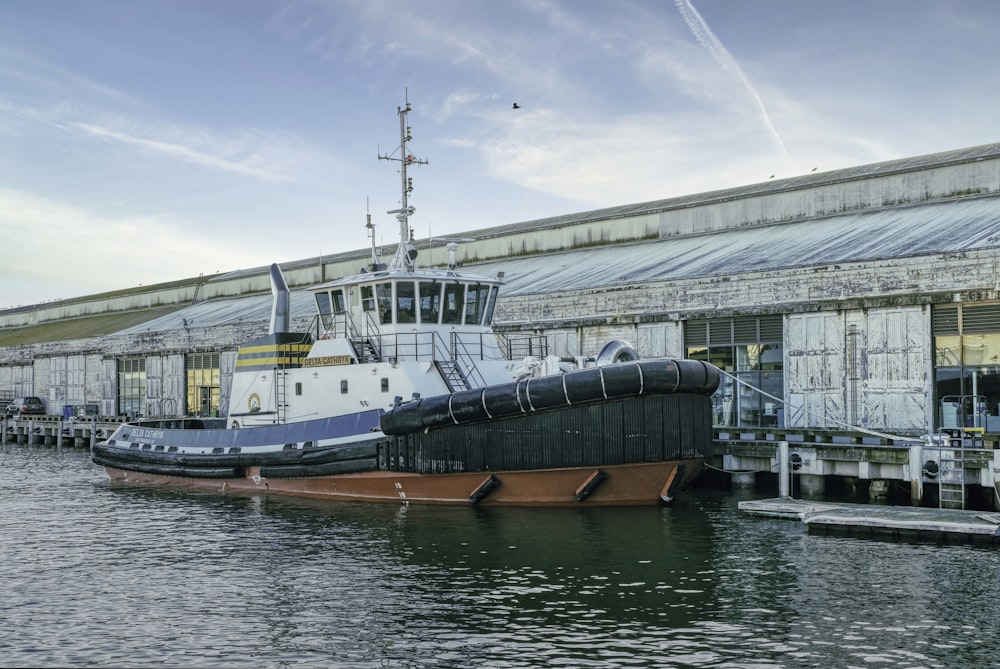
x: 573, y: 585
x: 110, y: 574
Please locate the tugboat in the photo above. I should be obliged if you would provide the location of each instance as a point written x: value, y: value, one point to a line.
x: 404, y: 393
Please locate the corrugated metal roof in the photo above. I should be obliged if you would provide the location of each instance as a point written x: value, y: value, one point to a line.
x: 940, y: 227
x: 229, y: 311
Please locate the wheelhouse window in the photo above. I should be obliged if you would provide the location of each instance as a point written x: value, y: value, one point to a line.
x: 325, y: 309
x: 490, y: 305
x: 475, y: 304
x: 368, y: 302
x: 454, y: 301
x: 430, y: 302
x: 406, y: 302
x: 330, y: 305
x: 383, y: 295
x: 337, y: 298
x: 378, y: 298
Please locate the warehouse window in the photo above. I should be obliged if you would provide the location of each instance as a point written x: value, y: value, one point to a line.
x: 748, y: 348
x: 203, y: 382
x: 131, y: 386
x: 967, y: 366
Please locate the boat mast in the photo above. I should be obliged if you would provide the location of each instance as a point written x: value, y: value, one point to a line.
x: 406, y: 255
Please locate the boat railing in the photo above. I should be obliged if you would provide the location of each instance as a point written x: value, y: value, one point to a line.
x: 339, y: 326
x: 371, y: 336
x: 523, y: 346
x: 467, y: 358
x: 460, y: 348
x: 433, y: 346
x: 367, y: 341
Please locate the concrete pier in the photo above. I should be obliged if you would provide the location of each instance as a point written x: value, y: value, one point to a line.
x: 57, y: 432
x: 864, y: 463
x: 812, y: 485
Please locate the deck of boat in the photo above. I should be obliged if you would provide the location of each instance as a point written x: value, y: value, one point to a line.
x: 896, y: 523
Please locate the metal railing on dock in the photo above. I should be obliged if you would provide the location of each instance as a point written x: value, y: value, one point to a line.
x: 958, y: 451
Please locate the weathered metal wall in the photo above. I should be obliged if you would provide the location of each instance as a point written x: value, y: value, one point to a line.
x: 227, y: 367
x: 21, y: 380
x: 814, y: 370
x: 109, y: 387
x: 40, y: 376
x: 563, y: 342
x: 665, y: 339
x: 174, y: 401
x: 865, y: 368
x: 93, y: 368
x: 166, y: 393
x: 594, y: 337
x: 892, y: 368
x: 154, y: 386
x: 883, y: 284
x: 67, y: 382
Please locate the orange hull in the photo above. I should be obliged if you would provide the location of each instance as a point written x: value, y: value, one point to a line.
x: 614, y: 485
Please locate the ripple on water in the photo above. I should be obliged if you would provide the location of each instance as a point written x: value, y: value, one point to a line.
x: 102, y: 574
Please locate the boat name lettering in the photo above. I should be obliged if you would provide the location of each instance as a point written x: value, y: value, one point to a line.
x: 324, y: 360
x: 141, y: 433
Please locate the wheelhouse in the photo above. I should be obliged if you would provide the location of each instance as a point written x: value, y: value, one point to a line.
x: 387, y: 300
x: 399, y: 315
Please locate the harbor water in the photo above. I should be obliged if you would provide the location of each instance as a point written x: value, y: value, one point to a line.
x: 102, y: 574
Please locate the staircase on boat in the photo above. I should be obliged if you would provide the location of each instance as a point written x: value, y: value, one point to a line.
x: 453, y: 376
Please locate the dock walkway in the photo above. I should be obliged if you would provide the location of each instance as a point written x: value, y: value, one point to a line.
x: 872, y: 521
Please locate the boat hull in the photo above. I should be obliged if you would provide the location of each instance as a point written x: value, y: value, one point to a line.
x: 625, y: 435
x: 635, y: 484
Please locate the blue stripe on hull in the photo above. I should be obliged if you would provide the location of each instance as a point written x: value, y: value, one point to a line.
x: 361, y: 424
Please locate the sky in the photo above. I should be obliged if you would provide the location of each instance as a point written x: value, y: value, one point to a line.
x: 150, y: 141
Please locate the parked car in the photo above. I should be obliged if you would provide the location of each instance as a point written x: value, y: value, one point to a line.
x: 23, y: 406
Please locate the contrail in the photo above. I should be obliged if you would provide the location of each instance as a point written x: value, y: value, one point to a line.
x: 707, y: 38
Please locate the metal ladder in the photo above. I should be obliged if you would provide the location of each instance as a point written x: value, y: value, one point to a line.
x: 453, y: 375
x: 951, y: 475
x: 365, y: 350
x: 280, y: 408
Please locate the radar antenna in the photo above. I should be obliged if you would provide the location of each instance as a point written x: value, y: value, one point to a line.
x: 406, y: 254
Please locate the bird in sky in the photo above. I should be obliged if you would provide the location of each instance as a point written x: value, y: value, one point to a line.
x: 517, y: 106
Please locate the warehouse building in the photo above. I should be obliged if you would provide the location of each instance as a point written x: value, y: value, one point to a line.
x: 866, y: 297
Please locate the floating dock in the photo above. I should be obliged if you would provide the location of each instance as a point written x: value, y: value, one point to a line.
x: 894, y: 523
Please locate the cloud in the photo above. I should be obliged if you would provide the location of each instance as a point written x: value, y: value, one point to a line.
x: 21, y: 70
x: 705, y: 36
x: 603, y: 162
x: 248, y: 153
x: 88, y: 253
